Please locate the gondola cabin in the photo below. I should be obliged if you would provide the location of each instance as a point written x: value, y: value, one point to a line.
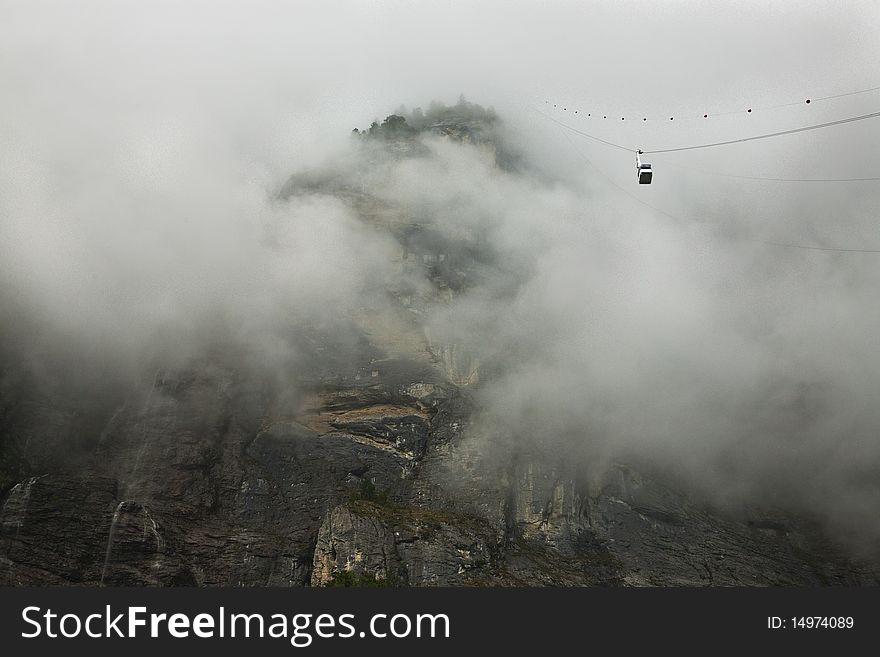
x: 643, y: 170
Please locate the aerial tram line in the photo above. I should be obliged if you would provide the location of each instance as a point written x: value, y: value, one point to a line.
x: 817, y: 126
x: 769, y: 135
x: 784, y: 245
x: 769, y: 178
x: 806, y: 101
x: 707, y: 115
x: 584, y: 134
x: 643, y: 169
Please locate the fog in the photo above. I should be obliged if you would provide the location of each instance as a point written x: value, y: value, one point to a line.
x: 144, y: 145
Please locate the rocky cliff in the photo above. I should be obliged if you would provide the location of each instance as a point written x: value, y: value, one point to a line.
x: 360, y: 468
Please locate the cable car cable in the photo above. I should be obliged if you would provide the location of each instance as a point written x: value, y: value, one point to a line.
x: 766, y: 136
x: 712, y: 145
x: 767, y: 178
x: 785, y: 245
x: 584, y: 134
x: 807, y: 101
x: 800, y: 102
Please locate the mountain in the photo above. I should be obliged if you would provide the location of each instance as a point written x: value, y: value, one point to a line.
x: 366, y: 462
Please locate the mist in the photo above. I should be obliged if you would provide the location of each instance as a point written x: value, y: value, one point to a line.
x: 144, y: 222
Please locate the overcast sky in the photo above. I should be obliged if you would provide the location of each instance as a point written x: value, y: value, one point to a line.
x: 279, y: 80
x: 339, y: 62
x: 141, y: 143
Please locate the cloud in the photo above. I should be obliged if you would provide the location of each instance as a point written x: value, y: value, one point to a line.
x: 143, y: 146
x: 612, y: 332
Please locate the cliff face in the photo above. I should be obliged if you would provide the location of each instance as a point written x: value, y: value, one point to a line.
x: 362, y: 467
x: 211, y: 480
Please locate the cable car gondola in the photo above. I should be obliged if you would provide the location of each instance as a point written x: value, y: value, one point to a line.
x: 643, y: 170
